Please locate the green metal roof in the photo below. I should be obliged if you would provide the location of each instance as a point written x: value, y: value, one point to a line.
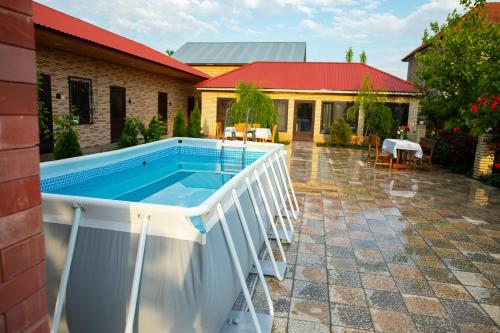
x: 238, y: 53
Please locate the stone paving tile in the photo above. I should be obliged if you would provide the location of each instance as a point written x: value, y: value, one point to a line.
x: 350, y: 316
x: 392, y: 321
x: 388, y: 300
x: 363, y: 260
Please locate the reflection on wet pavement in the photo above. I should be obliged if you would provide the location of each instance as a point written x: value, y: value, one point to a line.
x: 407, y: 251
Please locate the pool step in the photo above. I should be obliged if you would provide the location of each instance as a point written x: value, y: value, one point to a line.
x: 268, y: 268
x: 241, y: 322
x: 282, y: 236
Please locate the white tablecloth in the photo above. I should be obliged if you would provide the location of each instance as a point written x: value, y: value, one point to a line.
x: 260, y: 133
x: 392, y: 145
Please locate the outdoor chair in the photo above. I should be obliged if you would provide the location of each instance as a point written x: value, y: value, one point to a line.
x: 381, y: 157
x: 371, y: 143
x: 273, y: 134
x: 428, y: 146
x: 256, y: 125
x: 240, y: 129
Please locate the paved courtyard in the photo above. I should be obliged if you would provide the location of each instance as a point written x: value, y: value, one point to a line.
x: 411, y: 251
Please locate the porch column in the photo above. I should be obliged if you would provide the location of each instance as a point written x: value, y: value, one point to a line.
x: 361, y: 121
x: 412, y: 120
x: 485, y: 157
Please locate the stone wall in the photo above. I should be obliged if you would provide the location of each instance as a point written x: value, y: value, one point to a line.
x: 485, y: 157
x: 23, y: 292
x: 141, y: 91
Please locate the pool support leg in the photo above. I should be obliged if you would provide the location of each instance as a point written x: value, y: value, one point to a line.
x: 283, y: 202
x: 278, y: 268
x: 136, y: 282
x: 288, y: 197
x: 289, y: 181
x: 61, y: 295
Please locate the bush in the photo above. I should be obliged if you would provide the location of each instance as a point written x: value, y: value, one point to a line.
x: 66, y: 143
x: 155, y: 130
x: 131, y: 130
x: 179, y: 124
x: 455, y: 151
x: 194, y: 129
x: 340, y: 132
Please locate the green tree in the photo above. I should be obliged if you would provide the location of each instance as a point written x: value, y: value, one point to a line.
x: 131, y: 130
x: 179, y: 124
x: 349, y: 55
x: 378, y: 117
x: 170, y: 52
x: 156, y: 129
x: 340, y: 132
x: 460, y: 64
x: 249, y: 96
x: 194, y: 128
x: 66, y: 143
x: 362, y: 57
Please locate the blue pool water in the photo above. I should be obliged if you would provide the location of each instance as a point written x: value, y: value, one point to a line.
x: 179, y: 176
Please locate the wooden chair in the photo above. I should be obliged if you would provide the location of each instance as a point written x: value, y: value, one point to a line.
x: 273, y: 134
x: 381, y: 157
x: 240, y: 129
x: 371, y: 143
x: 428, y: 146
x: 256, y: 125
x: 219, y: 129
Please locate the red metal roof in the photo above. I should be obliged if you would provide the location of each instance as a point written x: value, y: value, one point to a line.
x: 336, y: 76
x: 50, y: 18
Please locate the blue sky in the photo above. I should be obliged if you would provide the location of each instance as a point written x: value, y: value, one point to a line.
x: 386, y: 29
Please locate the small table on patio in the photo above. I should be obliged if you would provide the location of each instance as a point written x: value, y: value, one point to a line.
x: 260, y: 133
x: 396, y: 146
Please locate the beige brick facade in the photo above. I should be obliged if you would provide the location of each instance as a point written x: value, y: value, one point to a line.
x: 141, y: 90
x: 209, y: 109
x: 485, y: 157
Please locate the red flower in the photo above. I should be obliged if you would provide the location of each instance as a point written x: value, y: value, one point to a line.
x: 480, y: 100
x: 497, y: 166
x: 493, y: 105
x: 474, y: 108
x: 456, y: 130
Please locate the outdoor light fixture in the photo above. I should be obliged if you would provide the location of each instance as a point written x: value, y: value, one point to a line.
x: 129, y: 101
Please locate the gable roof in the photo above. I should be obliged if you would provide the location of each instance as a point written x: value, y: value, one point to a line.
x: 321, y: 76
x: 492, y: 9
x: 50, y: 18
x: 240, y: 53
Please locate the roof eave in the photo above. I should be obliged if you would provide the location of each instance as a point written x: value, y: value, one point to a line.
x: 313, y: 91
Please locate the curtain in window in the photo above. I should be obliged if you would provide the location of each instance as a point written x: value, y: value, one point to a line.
x: 281, y: 106
x: 326, y: 117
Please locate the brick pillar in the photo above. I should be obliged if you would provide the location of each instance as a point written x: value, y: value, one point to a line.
x: 412, y: 121
x: 23, y: 295
x: 483, y: 163
x: 421, y: 130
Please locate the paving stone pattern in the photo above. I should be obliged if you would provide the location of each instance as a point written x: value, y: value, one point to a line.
x: 380, y: 251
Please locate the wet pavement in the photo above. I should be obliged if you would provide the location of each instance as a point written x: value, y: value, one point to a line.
x: 407, y: 251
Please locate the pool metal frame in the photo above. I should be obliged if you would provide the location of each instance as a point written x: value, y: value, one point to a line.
x: 212, y: 211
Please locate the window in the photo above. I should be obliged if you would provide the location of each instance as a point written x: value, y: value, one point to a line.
x: 80, y: 98
x: 222, y: 105
x: 399, y: 112
x: 281, y: 106
x: 332, y: 111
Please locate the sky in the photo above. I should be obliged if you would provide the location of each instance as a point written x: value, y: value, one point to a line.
x: 386, y: 29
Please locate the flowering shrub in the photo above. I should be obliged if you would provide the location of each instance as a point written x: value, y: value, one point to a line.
x: 455, y: 149
x: 484, y: 115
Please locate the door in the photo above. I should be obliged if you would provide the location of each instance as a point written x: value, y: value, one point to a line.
x: 163, y: 108
x: 45, y: 103
x: 190, y: 104
x: 118, y: 112
x: 303, y: 129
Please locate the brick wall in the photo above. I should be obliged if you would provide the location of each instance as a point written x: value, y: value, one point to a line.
x: 141, y: 89
x: 485, y: 157
x: 23, y: 295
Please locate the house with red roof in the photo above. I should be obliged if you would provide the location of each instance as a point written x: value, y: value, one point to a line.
x: 308, y: 96
x: 105, y: 78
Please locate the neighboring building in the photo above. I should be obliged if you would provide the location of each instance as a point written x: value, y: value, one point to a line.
x: 492, y: 9
x: 218, y: 58
x: 106, y: 77
x: 308, y: 95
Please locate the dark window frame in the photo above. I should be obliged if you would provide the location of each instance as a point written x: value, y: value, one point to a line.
x: 219, y: 100
x: 86, y: 117
x: 321, y: 129
x: 286, y: 118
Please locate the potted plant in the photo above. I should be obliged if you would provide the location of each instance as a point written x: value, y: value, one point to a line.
x: 403, y: 132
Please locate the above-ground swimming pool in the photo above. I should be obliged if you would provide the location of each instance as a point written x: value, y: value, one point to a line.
x: 161, y: 237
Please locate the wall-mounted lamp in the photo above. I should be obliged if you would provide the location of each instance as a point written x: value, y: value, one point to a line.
x: 129, y: 101
x: 59, y: 96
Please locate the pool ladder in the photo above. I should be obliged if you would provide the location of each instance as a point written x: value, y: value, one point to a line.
x: 229, y: 117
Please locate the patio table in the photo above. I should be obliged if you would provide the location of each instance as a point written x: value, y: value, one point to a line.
x: 396, y: 146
